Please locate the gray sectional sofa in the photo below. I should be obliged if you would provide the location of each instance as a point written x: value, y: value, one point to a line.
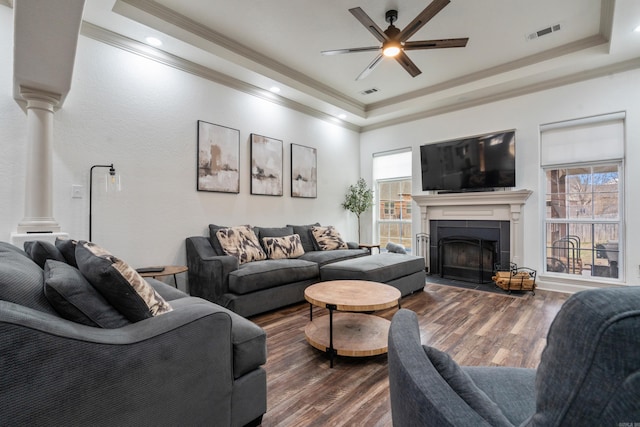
x: 255, y: 287
x: 197, y: 363
x: 259, y: 286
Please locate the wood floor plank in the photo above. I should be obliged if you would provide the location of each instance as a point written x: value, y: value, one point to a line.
x: 476, y: 328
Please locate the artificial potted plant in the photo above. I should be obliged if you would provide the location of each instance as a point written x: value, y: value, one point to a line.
x: 359, y: 198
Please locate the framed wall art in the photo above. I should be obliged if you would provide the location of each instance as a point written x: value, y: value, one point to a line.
x: 266, y: 165
x: 304, y: 178
x: 218, y: 158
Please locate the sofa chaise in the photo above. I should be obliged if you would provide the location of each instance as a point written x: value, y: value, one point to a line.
x: 68, y: 357
x: 589, y: 373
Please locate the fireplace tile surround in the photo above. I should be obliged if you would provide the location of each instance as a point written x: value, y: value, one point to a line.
x: 497, y: 209
x: 488, y: 230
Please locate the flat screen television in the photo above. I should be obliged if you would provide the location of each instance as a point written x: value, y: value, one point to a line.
x: 478, y: 163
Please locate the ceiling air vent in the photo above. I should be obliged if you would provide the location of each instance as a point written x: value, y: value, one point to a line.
x: 543, y: 32
x: 369, y: 91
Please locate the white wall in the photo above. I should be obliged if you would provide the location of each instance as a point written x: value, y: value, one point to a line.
x: 618, y: 92
x: 141, y: 116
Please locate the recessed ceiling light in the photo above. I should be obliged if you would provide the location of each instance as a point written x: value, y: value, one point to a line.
x: 154, y: 41
x: 342, y: 116
x: 275, y: 89
x: 637, y: 29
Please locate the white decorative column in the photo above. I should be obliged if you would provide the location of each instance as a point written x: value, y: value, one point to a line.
x: 38, y: 221
x: 38, y: 207
x: 45, y: 40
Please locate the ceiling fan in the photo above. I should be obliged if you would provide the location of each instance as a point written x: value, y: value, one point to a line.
x: 395, y: 42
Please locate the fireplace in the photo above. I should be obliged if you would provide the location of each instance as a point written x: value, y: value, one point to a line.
x: 468, y: 250
x: 466, y: 258
x: 493, y: 216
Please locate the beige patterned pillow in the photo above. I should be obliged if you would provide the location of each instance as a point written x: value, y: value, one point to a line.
x: 119, y: 283
x: 328, y: 238
x: 283, y: 247
x: 241, y: 242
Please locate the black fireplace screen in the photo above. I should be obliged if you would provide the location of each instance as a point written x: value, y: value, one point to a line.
x: 467, y: 258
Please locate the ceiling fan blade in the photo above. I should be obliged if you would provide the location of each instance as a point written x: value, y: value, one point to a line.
x: 352, y: 50
x: 436, y: 44
x: 370, y: 67
x: 408, y: 64
x: 369, y: 24
x: 424, y: 17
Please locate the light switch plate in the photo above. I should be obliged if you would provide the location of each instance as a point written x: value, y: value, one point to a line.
x: 76, y: 191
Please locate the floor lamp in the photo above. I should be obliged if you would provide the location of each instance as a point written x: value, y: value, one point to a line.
x: 114, y: 181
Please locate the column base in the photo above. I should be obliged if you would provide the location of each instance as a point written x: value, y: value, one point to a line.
x: 46, y: 225
x: 18, y: 239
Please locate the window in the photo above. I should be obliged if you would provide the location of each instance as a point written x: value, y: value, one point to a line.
x: 583, y: 220
x: 583, y: 162
x: 392, y: 174
x: 389, y: 209
x: 394, y: 221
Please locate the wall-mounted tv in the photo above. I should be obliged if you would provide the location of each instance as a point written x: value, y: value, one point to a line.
x: 478, y: 163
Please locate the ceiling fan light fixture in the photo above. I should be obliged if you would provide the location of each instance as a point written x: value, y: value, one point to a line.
x: 395, y: 42
x: 391, y: 49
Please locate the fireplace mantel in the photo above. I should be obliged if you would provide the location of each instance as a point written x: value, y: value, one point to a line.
x: 490, y: 205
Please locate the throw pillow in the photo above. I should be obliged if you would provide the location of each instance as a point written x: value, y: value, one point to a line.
x: 395, y: 248
x: 283, y: 247
x: 306, y: 237
x: 328, y: 238
x: 464, y: 386
x: 21, y: 280
x: 40, y: 251
x: 263, y: 232
x: 241, y: 242
x: 213, y: 238
x: 67, y: 248
x: 119, y: 283
x: 73, y: 297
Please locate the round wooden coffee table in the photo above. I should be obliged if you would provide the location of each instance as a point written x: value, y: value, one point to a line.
x: 355, y: 333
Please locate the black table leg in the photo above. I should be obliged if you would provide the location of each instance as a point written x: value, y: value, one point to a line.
x: 332, y: 352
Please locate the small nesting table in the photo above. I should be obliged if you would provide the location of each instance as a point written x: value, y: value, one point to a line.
x: 369, y: 246
x: 355, y: 333
x: 167, y: 270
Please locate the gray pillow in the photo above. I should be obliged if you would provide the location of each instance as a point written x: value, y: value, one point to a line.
x: 119, y: 283
x: 263, y: 232
x: 21, y: 280
x: 67, y: 248
x: 395, y: 248
x: 75, y: 299
x: 40, y: 251
x: 464, y: 386
x: 306, y: 237
x: 213, y: 238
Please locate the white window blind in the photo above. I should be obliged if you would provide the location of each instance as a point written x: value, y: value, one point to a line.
x: 392, y: 164
x: 585, y: 140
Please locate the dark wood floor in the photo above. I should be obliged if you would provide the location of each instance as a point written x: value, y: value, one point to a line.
x: 476, y: 328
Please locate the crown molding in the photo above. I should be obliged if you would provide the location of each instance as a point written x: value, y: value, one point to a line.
x: 113, y: 39
x: 132, y: 46
x: 617, y: 68
x: 168, y: 16
x: 586, y: 43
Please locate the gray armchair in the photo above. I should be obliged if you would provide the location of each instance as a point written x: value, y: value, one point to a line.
x: 589, y: 372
